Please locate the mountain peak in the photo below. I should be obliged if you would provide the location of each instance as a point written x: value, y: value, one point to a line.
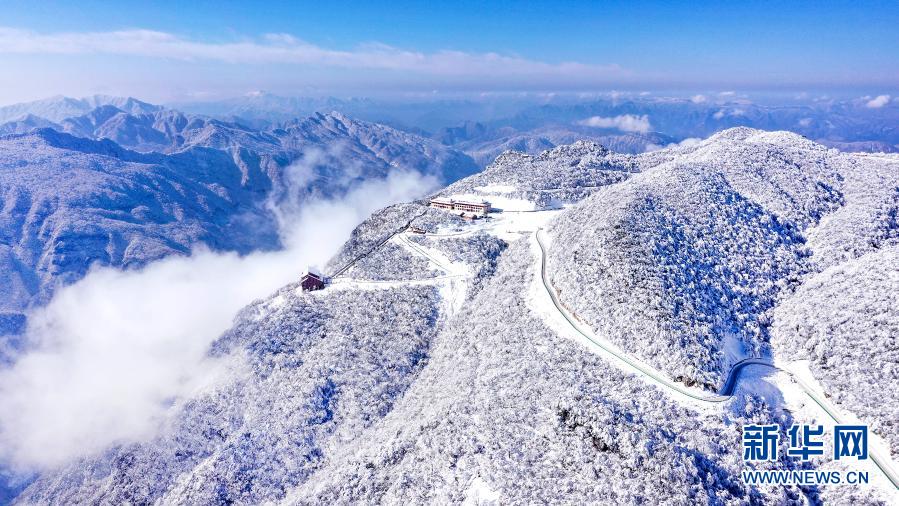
x: 510, y: 156
x: 578, y: 150
x: 781, y: 138
x: 59, y: 108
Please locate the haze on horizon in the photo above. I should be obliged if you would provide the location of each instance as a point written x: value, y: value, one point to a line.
x: 208, y: 51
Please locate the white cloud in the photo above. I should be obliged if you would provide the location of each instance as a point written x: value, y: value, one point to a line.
x: 719, y: 114
x: 286, y: 49
x: 689, y: 141
x: 878, y: 101
x: 804, y: 122
x: 113, y: 350
x: 698, y: 99
x: 624, y: 122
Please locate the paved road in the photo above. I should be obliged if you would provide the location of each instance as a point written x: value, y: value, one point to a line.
x: 726, y: 393
x: 651, y: 373
x: 884, y: 463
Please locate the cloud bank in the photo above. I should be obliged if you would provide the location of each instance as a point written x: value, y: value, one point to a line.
x: 878, y: 102
x: 624, y: 122
x: 287, y: 49
x: 114, y: 350
x: 688, y: 142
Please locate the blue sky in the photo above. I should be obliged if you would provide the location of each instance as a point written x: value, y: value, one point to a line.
x: 177, y: 50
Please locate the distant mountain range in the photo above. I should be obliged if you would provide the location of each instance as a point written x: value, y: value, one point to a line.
x: 850, y: 124
x: 484, y: 128
x: 56, y: 109
x: 126, y: 183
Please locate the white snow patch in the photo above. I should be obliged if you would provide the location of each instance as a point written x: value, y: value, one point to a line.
x: 479, y: 493
x: 510, y: 226
x: 734, y: 348
x: 454, y: 290
x: 496, y: 188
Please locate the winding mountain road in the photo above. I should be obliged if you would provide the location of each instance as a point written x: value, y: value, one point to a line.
x: 654, y: 375
x: 884, y: 463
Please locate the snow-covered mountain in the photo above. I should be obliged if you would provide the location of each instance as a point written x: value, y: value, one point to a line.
x: 125, y: 188
x: 70, y: 203
x: 56, y: 109
x: 363, y: 139
x: 166, y: 131
x: 566, y: 350
x: 145, y: 127
x: 481, y: 126
x: 26, y: 124
x: 262, y: 108
x: 485, y: 146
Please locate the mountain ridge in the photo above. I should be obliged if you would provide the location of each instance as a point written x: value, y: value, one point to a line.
x: 211, y: 174
x: 414, y: 384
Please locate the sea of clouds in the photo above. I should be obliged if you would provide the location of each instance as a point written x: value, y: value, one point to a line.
x: 109, y: 354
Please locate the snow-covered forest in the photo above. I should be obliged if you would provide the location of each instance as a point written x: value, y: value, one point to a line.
x: 434, y: 369
x: 129, y: 183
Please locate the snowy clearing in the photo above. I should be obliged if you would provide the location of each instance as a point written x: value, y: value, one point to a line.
x: 496, y: 188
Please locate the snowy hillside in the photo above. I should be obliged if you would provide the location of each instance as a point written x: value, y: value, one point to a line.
x: 163, y: 131
x: 358, y: 139
x: 684, y: 263
x: 67, y: 202
x: 844, y: 321
x: 348, y: 146
x: 485, y: 146
x: 565, y: 173
x: 25, y: 124
x: 144, y: 127
x: 464, y: 362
